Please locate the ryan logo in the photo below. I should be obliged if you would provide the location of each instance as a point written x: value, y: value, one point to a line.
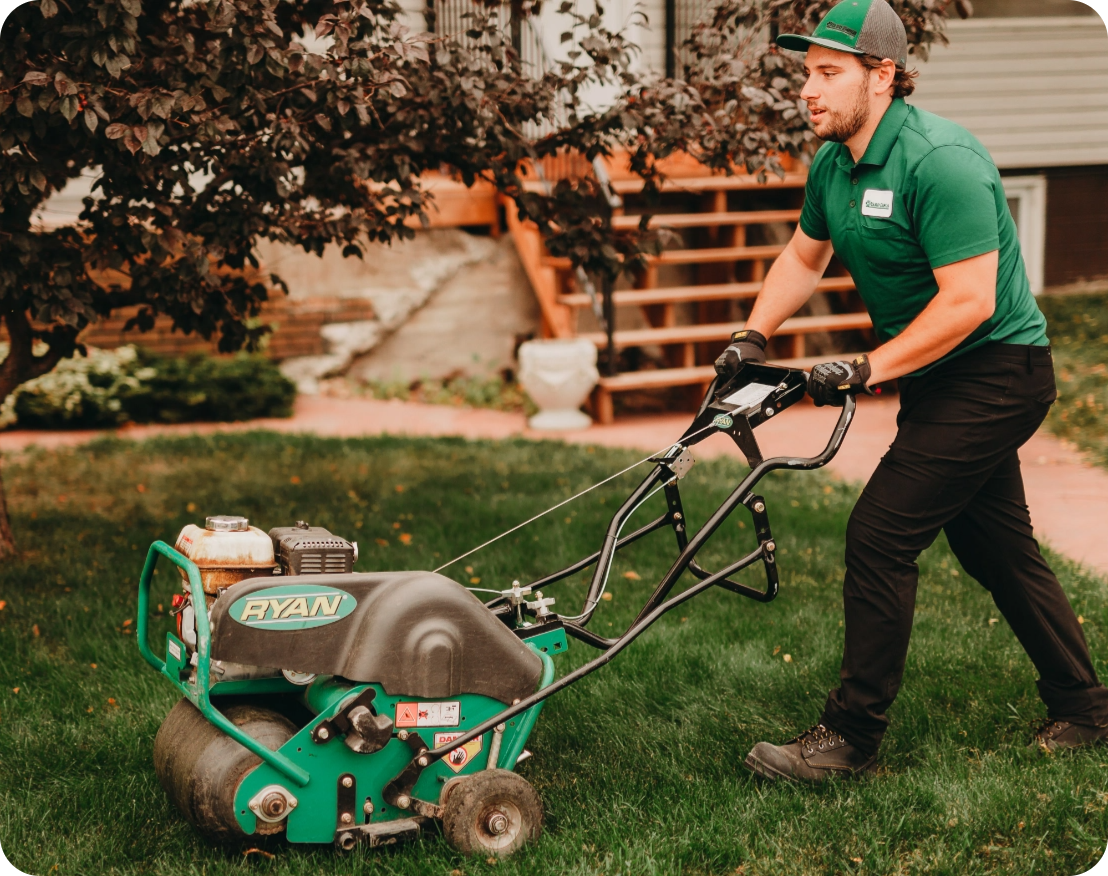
x: 292, y: 607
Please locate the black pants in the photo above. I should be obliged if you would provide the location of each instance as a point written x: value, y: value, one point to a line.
x: 954, y: 466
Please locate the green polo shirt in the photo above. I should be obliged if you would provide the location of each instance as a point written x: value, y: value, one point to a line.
x: 925, y: 194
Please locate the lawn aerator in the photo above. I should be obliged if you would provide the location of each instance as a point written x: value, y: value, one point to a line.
x: 346, y: 707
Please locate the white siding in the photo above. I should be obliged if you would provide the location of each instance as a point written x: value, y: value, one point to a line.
x: 1033, y: 90
x: 652, y: 38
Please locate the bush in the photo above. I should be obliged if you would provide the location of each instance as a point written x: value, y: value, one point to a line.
x: 111, y: 387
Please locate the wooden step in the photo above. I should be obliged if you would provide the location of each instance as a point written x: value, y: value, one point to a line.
x: 663, y: 377
x: 695, y: 334
x: 683, y: 294
x: 712, y: 183
x: 693, y: 256
x: 704, y: 220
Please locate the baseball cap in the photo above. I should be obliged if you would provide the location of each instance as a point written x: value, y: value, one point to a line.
x: 860, y: 27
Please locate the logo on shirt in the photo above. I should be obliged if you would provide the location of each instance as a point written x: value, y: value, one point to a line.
x: 877, y: 202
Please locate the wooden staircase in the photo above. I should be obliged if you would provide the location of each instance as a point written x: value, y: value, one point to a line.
x: 681, y: 310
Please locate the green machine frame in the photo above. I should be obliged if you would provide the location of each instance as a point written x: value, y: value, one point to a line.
x: 309, y: 770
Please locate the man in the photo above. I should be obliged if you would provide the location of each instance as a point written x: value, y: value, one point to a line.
x: 914, y: 208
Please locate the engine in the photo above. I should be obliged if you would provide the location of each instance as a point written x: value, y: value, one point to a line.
x: 228, y: 550
x: 312, y: 550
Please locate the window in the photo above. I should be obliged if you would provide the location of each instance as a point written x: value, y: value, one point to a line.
x: 1027, y: 200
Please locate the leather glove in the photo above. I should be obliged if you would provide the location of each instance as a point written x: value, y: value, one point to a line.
x: 831, y: 382
x: 746, y: 346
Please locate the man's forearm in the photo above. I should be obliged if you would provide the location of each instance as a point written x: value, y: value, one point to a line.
x: 966, y: 298
x: 791, y: 281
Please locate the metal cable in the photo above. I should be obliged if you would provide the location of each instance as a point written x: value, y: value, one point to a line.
x: 570, y: 499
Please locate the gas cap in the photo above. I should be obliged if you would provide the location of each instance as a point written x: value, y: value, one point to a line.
x: 226, y: 523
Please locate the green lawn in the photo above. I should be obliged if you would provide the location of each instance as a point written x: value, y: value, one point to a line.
x: 1078, y: 329
x: 639, y: 765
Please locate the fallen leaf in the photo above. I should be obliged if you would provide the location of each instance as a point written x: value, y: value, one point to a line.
x: 261, y: 852
x: 406, y: 537
x: 492, y: 860
x: 1020, y: 826
x: 469, y: 570
x: 3, y: 604
x: 993, y: 620
x: 190, y: 507
x: 89, y: 710
x: 856, y: 860
x: 127, y: 622
x: 632, y: 575
x: 474, y: 580
x: 396, y: 526
x: 34, y: 629
x: 1080, y: 619
x: 952, y: 822
x: 295, y: 479
x: 607, y: 597
x: 776, y: 650
x: 400, y: 488
x: 15, y: 690
x: 93, y: 665
x: 788, y: 658
x: 111, y: 701
x: 827, y: 489
x: 384, y: 542
x: 684, y: 619
x: 141, y: 488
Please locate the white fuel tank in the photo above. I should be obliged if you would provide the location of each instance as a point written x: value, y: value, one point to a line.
x: 227, y: 550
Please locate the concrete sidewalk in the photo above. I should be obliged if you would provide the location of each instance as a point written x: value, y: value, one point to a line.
x: 1068, y: 498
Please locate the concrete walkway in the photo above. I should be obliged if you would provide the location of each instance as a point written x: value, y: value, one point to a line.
x: 1068, y: 498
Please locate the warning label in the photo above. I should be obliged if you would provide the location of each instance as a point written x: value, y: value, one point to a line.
x: 428, y: 714
x: 460, y: 756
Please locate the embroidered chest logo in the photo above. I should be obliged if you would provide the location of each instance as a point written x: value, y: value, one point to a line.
x: 877, y: 202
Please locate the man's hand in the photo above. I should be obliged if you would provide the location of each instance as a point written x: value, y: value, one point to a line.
x: 746, y: 346
x: 831, y: 382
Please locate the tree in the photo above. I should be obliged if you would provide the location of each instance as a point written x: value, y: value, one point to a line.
x: 213, y: 126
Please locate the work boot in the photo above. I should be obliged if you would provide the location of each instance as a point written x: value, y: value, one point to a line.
x: 1063, y: 735
x: 814, y: 756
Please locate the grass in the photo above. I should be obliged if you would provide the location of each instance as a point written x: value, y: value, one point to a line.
x: 1078, y: 329
x: 490, y: 391
x: 639, y: 765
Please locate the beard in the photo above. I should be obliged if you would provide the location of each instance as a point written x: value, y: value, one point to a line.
x: 841, y: 125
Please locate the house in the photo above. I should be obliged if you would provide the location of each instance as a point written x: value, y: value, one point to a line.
x: 1028, y: 77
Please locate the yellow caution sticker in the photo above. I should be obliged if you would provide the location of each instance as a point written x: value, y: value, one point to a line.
x: 459, y: 757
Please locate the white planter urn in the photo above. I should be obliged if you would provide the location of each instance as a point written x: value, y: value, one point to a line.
x: 558, y: 374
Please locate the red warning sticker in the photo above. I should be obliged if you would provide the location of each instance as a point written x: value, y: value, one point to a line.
x: 428, y: 714
x: 460, y: 756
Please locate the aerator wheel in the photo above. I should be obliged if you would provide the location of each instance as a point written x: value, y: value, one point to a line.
x: 491, y: 812
x: 200, y: 767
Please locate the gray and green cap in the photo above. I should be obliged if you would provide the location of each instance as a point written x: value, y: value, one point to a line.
x: 860, y: 27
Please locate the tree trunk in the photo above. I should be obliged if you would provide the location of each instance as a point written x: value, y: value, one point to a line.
x: 7, y: 541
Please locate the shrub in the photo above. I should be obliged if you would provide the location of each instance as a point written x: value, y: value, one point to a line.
x: 111, y: 387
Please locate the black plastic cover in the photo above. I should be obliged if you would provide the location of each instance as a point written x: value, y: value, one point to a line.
x: 311, y: 550
x: 415, y: 633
